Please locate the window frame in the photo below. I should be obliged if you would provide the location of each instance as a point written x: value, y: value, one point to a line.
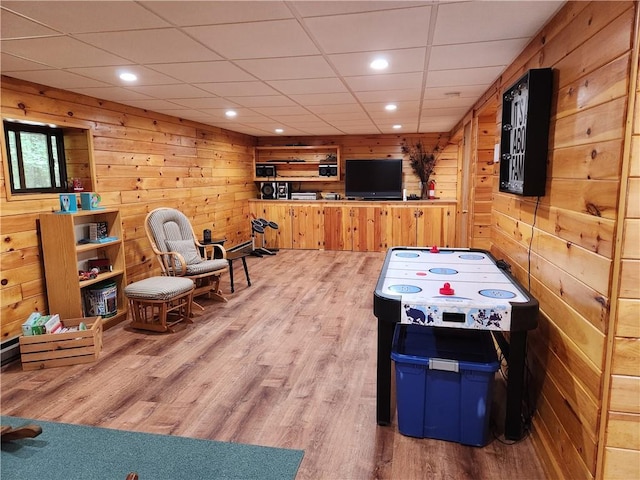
x: 51, y: 133
x: 67, y: 126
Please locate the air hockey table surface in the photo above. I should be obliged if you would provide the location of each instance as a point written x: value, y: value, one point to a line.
x: 457, y: 288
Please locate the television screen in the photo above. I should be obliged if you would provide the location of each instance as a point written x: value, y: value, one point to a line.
x: 374, y: 178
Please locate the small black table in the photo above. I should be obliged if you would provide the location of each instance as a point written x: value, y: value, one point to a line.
x: 234, y: 255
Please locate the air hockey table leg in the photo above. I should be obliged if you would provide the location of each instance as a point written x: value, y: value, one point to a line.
x: 383, y: 394
x: 515, y: 384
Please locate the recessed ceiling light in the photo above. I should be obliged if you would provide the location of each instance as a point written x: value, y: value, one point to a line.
x: 397, y: 127
x: 391, y: 107
x: 128, y: 77
x: 379, y: 64
x: 231, y: 113
x: 279, y: 130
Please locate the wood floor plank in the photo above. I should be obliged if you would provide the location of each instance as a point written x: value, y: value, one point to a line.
x: 288, y: 362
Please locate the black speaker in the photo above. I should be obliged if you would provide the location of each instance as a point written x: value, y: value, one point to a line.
x: 268, y: 190
x: 282, y: 190
x: 206, y: 235
x: 328, y: 170
x: 263, y: 170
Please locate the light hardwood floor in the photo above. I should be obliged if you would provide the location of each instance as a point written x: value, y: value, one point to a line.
x: 288, y: 362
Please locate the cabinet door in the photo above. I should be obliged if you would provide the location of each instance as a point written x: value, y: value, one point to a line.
x: 366, y: 227
x: 436, y: 226
x: 280, y: 213
x: 403, y: 226
x: 337, y: 228
x: 307, y: 226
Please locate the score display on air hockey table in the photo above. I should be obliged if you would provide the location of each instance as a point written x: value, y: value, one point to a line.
x: 451, y: 288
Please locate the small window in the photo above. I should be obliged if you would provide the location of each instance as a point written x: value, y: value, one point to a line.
x: 36, y: 158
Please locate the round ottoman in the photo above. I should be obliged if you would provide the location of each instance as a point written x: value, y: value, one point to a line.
x: 158, y: 303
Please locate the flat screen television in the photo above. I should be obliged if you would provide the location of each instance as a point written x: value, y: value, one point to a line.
x: 373, y: 179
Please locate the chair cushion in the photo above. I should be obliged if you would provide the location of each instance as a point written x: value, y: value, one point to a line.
x: 159, y: 288
x: 187, y: 249
x: 207, y: 266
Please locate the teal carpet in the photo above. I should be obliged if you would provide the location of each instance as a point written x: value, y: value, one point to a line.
x: 70, y: 452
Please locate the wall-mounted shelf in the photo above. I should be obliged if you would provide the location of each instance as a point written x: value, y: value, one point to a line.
x: 297, y: 163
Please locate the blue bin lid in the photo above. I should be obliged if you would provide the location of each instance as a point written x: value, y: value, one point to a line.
x: 472, y: 349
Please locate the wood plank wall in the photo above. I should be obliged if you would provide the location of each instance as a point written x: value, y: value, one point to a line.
x: 621, y: 450
x: 563, y: 247
x: 384, y: 146
x: 143, y: 161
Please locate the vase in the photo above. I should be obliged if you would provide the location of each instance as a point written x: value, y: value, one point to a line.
x: 424, y: 190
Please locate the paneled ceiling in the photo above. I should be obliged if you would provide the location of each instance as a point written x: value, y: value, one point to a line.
x: 299, y: 66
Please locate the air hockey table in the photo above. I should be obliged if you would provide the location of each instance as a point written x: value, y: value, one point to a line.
x: 454, y: 288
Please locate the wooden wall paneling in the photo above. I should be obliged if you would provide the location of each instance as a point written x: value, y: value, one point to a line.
x: 142, y: 160
x: 573, y: 463
x: 621, y: 464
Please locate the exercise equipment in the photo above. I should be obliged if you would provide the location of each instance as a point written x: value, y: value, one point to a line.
x: 258, y: 226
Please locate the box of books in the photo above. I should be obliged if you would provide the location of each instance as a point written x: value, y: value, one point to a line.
x: 76, y: 340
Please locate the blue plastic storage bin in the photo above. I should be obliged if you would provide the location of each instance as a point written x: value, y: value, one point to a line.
x: 444, y: 382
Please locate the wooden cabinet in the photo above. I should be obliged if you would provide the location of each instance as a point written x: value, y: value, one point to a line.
x: 65, y: 252
x: 300, y: 226
x: 297, y: 163
x: 422, y: 226
x: 357, y: 226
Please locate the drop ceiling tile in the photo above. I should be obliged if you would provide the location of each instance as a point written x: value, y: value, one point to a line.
x: 187, y: 13
x: 333, y: 99
x: 443, y: 112
x: 272, y: 111
x: 288, y: 68
x: 263, y: 101
x: 58, y: 79
x: 238, y: 89
x: 203, y: 72
x: 470, y: 22
x: 244, y: 114
x: 402, y: 27
x: 464, y: 91
x: 87, y: 16
x: 61, y: 52
x: 449, y: 101
x: 391, y: 95
x: 296, y: 120
x: 15, y: 26
x: 333, y: 117
x: 403, y: 108
x: 400, y: 61
x: 113, y: 94
x: 165, y: 45
x: 16, y: 64
x: 323, y: 8
x: 326, y: 130
x: 154, y: 104
x: 110, y: 75
x: 322, y: 109
x: 437, y: 124
x: 308, y: 86
x: 277, y: 38
x: 394, y: 81
x: 464, y: 76
x: 205, y: 102
x: 472, y: 55
x: 170, y: 91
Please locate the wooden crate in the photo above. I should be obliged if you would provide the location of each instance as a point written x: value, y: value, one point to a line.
x: 59, y: 349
